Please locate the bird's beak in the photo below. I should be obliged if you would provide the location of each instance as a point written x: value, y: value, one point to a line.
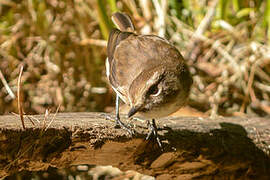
x: 132, y: 111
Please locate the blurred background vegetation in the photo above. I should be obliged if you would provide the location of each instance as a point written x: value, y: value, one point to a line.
x: 62, y: 45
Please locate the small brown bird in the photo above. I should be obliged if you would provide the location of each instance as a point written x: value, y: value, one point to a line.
x: 146, y: 72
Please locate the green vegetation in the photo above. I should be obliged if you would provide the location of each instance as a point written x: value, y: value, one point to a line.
x: 62, y: 47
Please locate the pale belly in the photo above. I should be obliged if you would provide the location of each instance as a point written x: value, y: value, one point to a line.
x: 160, y: 112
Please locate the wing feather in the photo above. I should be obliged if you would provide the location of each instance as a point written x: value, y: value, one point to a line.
x: 115, y: 37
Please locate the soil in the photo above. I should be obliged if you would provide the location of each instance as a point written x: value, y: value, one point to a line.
x: 219, y: 153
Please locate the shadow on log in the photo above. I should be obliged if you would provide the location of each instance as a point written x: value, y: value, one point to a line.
x: 194, y: 148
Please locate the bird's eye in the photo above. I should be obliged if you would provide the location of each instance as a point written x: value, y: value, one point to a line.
x: 154, y: 91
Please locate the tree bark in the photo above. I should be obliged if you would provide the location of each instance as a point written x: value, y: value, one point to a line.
x: 226, y: 144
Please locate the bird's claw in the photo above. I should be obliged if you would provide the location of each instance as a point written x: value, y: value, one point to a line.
x: 120, y: 124
x: 153, y: 133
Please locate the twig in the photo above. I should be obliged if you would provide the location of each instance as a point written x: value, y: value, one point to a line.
x: 33, y: 117
x: 146, y: 9
x: 46, y: 115
x: 263, y: 106
x: 30, y: 120
x: 207, y: 18
x: 53, y: 117
x: 262, y: 74
x: 202, y: 27
x: 20, y: 108
x: 132, y: 5
x: 250, y: 83
x: 216, y: 45
x: 6, y: 85
x: 262, y: 87
x: 28, y: 117
x: 161, y: 16
x: 96, y: 42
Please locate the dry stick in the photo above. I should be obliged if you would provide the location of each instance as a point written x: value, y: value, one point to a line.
x: 262, y: 87
x: 207, y: 19
x: 202, y: 27
x: 265, y: 108
x: 26, y: 116
x: 96, y: 42
x: 46, y: 115
x: 30, y: 120
x: 233, y: 63
x: 33, y: 117
x: 146, y: 9
x: 19, y: 96
x: 262, y: 74
x: 250, y: 83
x: 216, y: 45
x: 131, y: 4
x: 249, y: 91
x: 53, y: 117
x: 161, y: 11
x: 6, y: 85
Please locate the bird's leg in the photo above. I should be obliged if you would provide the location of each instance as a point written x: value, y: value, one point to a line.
x: 153, y: 132
x: 118, y: 122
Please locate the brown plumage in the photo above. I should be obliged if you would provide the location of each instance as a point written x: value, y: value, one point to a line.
x: 146, y: 71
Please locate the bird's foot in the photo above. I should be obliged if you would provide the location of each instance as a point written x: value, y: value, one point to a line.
x: 120, y: 124
x: 153, y: 133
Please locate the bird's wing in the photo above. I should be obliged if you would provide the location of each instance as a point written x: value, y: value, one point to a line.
x: 115, y: 38
x: 134, y: 54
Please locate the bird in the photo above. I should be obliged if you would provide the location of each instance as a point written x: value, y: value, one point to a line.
x: 146, y: 72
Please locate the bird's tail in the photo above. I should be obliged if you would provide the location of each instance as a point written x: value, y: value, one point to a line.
x: 123, y: 22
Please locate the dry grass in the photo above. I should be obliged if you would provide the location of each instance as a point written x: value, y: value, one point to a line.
x: 62, y: 47
x: 49, y: 39
x: 19, y: 97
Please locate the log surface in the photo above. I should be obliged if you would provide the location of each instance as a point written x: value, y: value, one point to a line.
x: 256, y: 128
x: 193, y: 147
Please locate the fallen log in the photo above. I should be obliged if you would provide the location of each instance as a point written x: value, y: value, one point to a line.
x: 193, y: 147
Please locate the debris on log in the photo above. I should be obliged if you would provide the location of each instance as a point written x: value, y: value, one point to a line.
x: 236, y: 148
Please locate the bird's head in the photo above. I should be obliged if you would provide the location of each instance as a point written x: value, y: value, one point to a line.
x: 160, y: 91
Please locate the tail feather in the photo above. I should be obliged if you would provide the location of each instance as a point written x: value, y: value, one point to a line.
x: 123, y: 22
